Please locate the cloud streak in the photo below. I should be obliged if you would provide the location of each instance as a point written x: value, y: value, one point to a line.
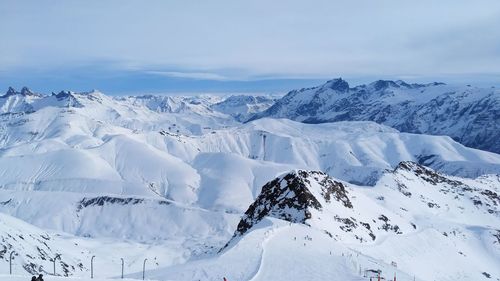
x: 191, y: 75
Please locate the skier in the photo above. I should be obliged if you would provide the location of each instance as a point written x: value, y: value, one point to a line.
x: 224, y: 279
x: 33, y: 278
x: 40, y: 277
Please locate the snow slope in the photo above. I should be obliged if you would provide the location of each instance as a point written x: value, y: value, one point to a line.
x: 270, y: 253
x: 171, y: 178
x: 352, y: 151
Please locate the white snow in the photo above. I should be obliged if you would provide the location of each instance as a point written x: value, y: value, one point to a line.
x: 168, y: 178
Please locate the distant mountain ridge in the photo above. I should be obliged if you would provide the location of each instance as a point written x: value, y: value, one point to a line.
x: 470, y: 115
x: 242, y: 107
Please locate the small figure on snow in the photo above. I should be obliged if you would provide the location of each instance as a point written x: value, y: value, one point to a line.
x: 40, y: 277
x: 224, y: 279
x: 33, y: 278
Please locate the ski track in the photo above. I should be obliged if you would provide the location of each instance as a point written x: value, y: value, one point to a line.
x: 267, y: 239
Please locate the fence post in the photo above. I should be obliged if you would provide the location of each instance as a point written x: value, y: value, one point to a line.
x: 10, y: 262
x: 144, y: 268
x: 92, y: 267
x: 122, y: 266
x: 58, y: 256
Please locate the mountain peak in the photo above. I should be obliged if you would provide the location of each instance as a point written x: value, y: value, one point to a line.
x: 292, y: 197
x: 64, y: 94
x: 337, y: 84
x: 384, y: 84
x: 68, y: 98
x: 11, y: 91
x: 25, y: 91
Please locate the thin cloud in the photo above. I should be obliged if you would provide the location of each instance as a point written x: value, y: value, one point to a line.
x: 191, y: 75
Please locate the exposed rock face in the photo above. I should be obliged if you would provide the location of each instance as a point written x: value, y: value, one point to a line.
x: 68, y: 99
x: 338, y: 85
x: 315, y: 199
x: 109, y: 200
x: 290, y: 198
x: 11, y: 91
x: 25, y: 91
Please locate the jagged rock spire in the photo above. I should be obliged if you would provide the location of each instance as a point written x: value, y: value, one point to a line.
x: 337, y: 84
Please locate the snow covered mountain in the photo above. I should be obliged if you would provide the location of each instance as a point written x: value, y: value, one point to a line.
x: 411, y: 203
x: 470, y: 115
x: 241, y: 107
x: 305, y: 224
x: 172, y: 177
x: 312, y: 197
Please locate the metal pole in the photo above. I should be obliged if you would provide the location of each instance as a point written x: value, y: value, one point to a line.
x: 122, y: 266
x: 10, y: 262
x: 92, y: 267
x: 56, y: 257
x: 144, y: 268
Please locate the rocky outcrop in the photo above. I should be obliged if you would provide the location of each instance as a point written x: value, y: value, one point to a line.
x: 292, y: 196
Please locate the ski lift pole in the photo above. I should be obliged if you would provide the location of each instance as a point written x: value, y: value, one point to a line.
x: 10, y: 262
x: 123, y: 262
x: 92, y: 267
x: 144, y: 268
x: 58, y: 256
x: 395, y: 265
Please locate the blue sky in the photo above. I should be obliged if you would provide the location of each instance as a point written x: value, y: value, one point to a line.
x: 124, y: 47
